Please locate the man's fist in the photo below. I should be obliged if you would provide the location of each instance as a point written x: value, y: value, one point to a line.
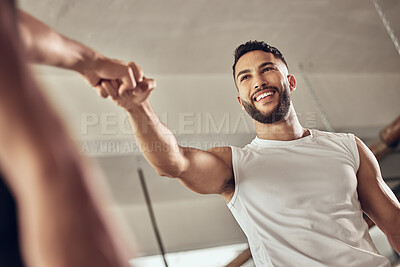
x: 130, y: 99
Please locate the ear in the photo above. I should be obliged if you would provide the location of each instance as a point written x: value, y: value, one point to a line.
x: 292, y: 82
x: 240, y: 101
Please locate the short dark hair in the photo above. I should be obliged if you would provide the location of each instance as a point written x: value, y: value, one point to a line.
x: 256, y: 45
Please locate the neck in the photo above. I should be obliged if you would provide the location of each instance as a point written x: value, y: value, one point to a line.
x: 289, y: 128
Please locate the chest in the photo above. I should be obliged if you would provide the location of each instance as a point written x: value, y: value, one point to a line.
x: 293, y: 178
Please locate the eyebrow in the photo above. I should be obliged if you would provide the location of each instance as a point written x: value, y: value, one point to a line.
x: 259, y: 67
x: 265, y: 64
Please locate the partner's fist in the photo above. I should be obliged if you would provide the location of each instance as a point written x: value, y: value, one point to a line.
x: 101, y: 68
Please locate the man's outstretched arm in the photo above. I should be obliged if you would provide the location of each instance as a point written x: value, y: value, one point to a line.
x: 205, y: 172
x: 61, y: 217
x: 43, y: 45
x: 376, y: 198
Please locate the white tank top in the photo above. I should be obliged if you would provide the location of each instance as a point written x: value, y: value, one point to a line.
x: 297, y: 202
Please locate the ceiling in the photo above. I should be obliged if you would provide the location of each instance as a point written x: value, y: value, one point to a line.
x: 340, y: 47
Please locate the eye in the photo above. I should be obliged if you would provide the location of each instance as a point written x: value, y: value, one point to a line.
x: 244, y: 77
x: 267, y: 69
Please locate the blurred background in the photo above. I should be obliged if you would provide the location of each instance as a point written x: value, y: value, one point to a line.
x: 345, y: 61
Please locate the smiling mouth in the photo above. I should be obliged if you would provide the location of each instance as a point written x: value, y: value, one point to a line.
x: 264, y: 94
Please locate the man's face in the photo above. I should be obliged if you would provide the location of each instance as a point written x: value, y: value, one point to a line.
x: 264, y: 86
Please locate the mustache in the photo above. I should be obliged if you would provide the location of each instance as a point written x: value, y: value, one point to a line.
x: 263, y: 88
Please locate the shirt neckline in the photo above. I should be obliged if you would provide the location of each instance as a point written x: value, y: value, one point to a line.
x: 266, y: 142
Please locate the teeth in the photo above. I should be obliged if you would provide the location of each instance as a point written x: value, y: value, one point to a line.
x: 264, y: 95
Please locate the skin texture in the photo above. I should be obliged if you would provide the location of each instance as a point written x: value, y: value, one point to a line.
x: 210, y: 172
x: 62, y: 221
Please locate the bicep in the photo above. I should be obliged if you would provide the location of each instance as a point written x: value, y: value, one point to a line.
x: 208, y: 172
x: 376, y: 198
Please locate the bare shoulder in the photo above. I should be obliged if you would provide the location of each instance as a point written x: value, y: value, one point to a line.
x: 224, y: 153
x: 368, y: 171
x: 360, y: 145
x: 367, y: 158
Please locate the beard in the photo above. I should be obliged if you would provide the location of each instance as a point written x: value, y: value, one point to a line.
x: 275, y: 115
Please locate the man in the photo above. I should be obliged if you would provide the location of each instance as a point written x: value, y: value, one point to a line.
x: 296, y: 193
x: 46, y: 184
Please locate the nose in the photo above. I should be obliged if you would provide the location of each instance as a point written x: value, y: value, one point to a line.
x: 259, y: 82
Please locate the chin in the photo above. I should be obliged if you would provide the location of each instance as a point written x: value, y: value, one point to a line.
x: 267, y: 108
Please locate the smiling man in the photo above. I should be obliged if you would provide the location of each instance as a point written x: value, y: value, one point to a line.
x: 297, y: 193
x: 263, y: 94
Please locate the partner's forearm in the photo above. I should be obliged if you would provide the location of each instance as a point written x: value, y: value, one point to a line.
x: 43, y: 45
x: 156, y: 141
x: 47, y: 176
x: 24, y: 112
x: 32, y: 136
x: 62, y: 222
x: 58, y: 208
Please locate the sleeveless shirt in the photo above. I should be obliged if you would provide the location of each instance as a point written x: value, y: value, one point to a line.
x: 297, y: 202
